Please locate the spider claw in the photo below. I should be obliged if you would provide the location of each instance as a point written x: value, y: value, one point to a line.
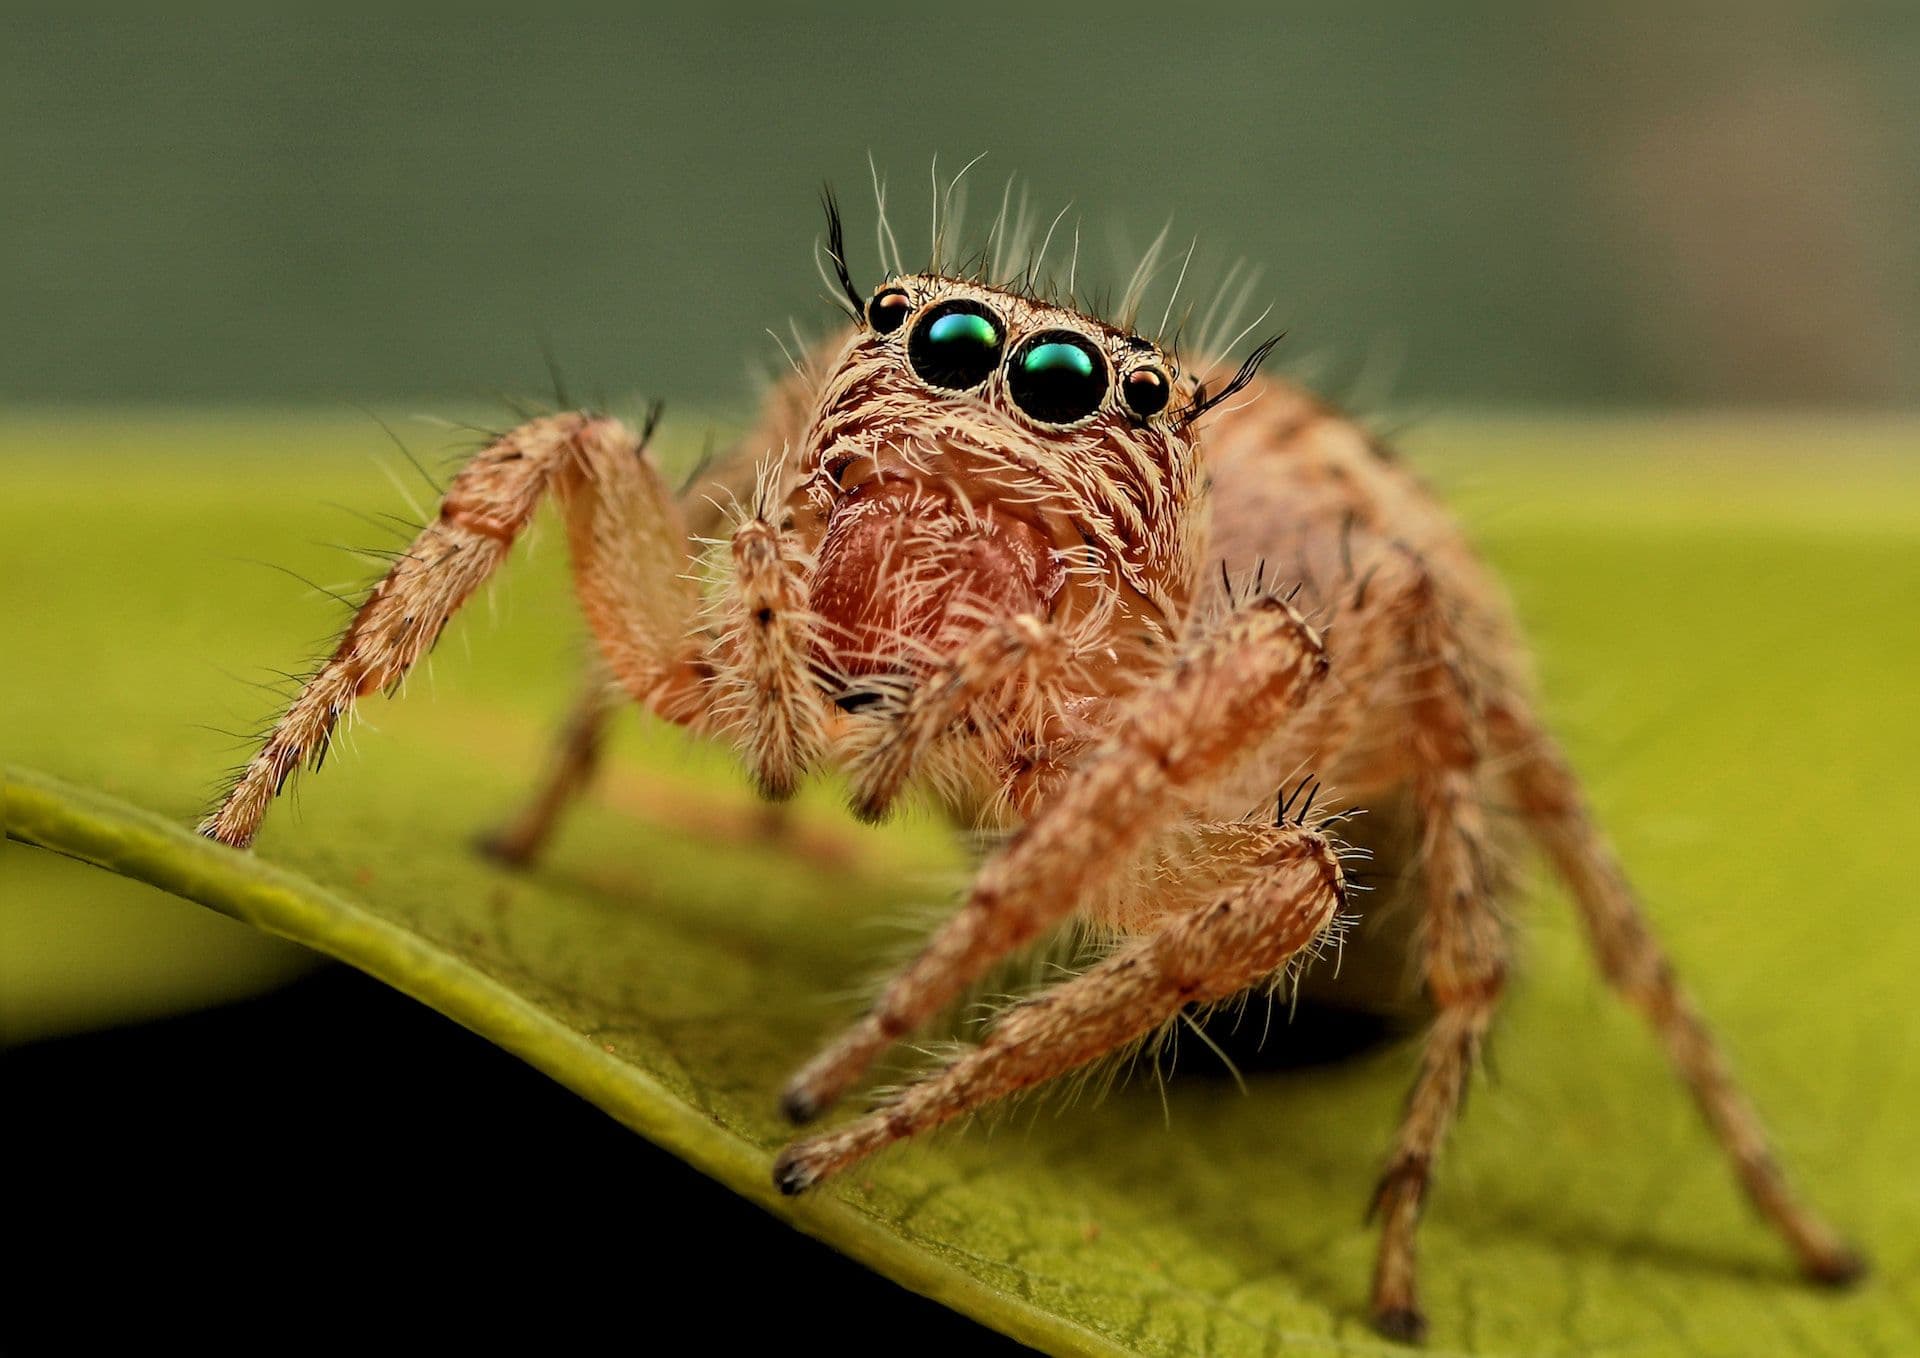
x: 791, y: 1175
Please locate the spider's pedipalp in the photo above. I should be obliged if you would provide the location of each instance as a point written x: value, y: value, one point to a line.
x: 1024, y: 645
x: 766, y: 679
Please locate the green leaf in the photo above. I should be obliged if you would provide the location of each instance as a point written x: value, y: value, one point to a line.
x: 1724, y: 627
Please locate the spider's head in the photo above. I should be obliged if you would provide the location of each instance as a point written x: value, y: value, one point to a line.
x: 979, y: 452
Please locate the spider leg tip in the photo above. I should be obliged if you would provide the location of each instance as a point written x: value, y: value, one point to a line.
x: 790, y: 1174
x: 1402, y: 1324
x: 775, y: 786
x: 1840, y: 1268
x: 211, y: 829
x: 799, y: 1106
x: 504, y: 848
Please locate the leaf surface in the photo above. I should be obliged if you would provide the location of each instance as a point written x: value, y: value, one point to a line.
x: 1724, y: 632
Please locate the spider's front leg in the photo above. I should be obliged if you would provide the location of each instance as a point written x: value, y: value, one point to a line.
x: 1289, y: 891
x: 1236, y: 683
x: 629, y: 569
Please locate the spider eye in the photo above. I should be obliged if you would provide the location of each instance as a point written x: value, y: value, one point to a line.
x: 1146, y: 391
x: 956, y: 345
x: 1058, y: 377
x: 888, y: 309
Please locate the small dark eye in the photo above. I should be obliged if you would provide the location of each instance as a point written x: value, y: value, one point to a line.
x: 956, y: 345
x: 888, y: 309
x: 1058, y: 377
x: 1145, y: 391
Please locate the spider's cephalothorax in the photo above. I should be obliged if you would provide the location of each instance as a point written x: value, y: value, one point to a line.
x: 1001, y: 551
x: 975, y: 457
x: 1012, y: 415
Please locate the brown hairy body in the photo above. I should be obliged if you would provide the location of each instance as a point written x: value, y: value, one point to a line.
x: 1001, y: 553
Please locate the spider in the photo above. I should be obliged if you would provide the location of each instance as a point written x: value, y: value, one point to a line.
x: 1031, y: 564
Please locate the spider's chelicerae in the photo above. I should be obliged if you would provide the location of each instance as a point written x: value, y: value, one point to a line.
x: 1000, y: 550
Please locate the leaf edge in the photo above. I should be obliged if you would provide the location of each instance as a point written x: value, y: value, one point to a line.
x: 97, y: 828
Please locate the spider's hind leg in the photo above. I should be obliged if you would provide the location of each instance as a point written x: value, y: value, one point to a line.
x: 1631, y: 959
x: 1464, y: 949
x: 572, y: 761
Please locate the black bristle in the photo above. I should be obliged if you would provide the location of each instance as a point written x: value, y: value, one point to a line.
x: 1203, y: 402
x: 837, y: 250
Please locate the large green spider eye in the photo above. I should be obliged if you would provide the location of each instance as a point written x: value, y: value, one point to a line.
x: 1058, y: 377
x: 956, y: 345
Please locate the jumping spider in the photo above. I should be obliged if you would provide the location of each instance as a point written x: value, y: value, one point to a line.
x: 985, y: 559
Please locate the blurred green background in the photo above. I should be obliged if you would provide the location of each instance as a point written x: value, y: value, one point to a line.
x: 1463, y: 203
